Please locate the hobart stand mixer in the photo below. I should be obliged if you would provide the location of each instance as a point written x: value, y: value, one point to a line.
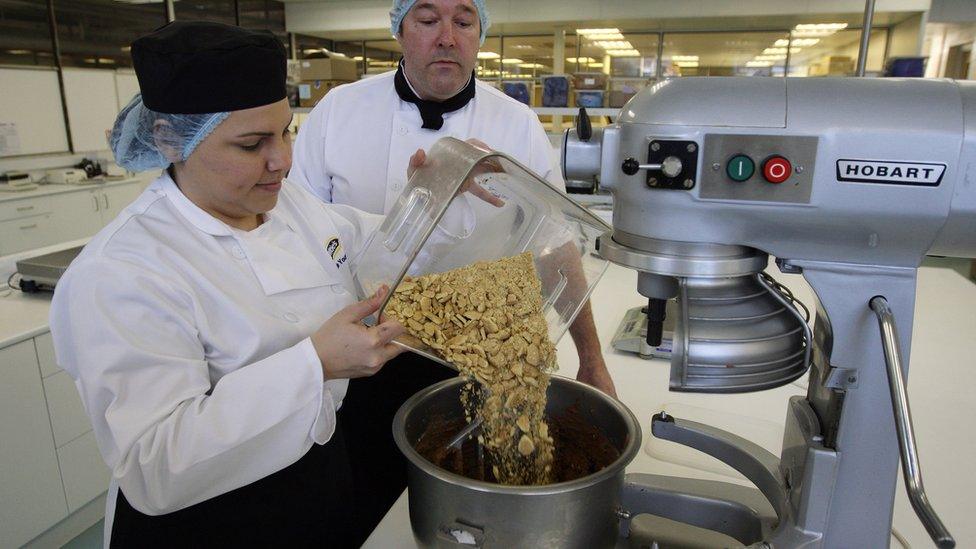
x: 847, y: 181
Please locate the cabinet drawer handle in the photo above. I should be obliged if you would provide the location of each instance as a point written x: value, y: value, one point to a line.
x: 31, y: 226
x: 25, y: 208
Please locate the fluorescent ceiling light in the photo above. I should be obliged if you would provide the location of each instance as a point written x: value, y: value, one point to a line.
x: 759, y: 64
x: 595, y: 65
x: 585, y: 32
x: 607, y: 36
x: 18, y: 52
x: 819, y: 29
x: 623, y: 53
x: 797, y: 42
x: 779, y: 51
x: 106, y: 61
x: 687, y: 64
x: 488, y: 55
x: 530, y: 65
x: 512, y: 61
x: 822, y: 26
x: 580, y: 60
x: 614, y: 45
x: 684, y: 58
x: 770, y: 57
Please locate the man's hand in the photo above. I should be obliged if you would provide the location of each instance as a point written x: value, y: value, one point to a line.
x: 420, y: 157
x: 593, y: 371
x: 349, y: 349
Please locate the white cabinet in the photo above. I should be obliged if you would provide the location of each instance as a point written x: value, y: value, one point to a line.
x: 68, y: 418
x: 25, y: 224
x: 82, y: 213
x: 28, y: 207
x: 27, y: 233
x: 32, y: 498
x: 84, y: 472
x: 44, y: 345
x: 77, y: 214
x: 116, y: 198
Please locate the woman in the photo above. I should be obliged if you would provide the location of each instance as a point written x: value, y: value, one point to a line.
x: 209, y: 328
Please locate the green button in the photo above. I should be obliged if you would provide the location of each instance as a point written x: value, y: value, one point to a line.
x: 740, y: 167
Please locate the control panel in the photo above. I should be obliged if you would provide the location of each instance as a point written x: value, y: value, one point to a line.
x: 764, y: 168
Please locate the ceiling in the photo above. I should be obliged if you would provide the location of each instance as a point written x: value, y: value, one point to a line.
x: 773, y: 22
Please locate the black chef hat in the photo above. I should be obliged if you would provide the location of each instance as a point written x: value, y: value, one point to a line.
x: 193, y: 67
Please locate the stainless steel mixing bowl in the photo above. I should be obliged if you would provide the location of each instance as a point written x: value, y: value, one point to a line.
x: 449, y: 510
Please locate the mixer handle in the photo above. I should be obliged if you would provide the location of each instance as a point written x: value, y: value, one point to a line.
x: 584, y: 130
x: 911, y: 469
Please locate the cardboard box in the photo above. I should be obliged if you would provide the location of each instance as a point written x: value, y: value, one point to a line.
x: 332, y: 68
x: 589, y: 81
x: 619, y: 98
x: 309, y: 93
x: 621, y: 90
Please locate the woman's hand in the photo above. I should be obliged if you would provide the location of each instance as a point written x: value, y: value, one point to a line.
x: 349, y: 349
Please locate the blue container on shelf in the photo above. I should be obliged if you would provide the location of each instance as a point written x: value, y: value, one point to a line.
x: 590, y: 99
x: 555, y: 91
x: 518, y: 91
x: 913, y: 67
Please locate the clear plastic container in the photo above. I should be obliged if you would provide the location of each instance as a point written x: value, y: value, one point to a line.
x: 439, y: 223
x: 589, y: 99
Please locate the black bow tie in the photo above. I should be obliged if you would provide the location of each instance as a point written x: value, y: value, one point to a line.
x: 432, y: 112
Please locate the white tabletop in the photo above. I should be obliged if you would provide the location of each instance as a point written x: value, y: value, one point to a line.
x: 942, y: 378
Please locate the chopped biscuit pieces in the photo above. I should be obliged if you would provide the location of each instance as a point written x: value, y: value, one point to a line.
x: 486, y: 319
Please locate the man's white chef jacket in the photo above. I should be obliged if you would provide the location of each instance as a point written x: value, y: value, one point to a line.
x: 188, y: 341
x: 355, y: 146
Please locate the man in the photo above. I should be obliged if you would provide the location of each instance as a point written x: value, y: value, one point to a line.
x: 354, y: 149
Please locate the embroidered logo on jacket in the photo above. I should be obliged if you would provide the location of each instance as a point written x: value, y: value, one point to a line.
x: 335, y: 251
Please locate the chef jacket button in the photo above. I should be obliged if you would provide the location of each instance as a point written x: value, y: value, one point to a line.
x: 338, y: 289
x: 403, y: 130
x: 238, y: 252
x: 290, y: 317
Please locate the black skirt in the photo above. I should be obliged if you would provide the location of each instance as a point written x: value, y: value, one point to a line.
x: 379, y: 469
x: 309, y: 503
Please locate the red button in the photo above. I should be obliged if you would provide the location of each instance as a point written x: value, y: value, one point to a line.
x: 777, y: 169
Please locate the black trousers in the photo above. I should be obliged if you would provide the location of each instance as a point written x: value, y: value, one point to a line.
x: 308, y: 504
x: 379, y: 469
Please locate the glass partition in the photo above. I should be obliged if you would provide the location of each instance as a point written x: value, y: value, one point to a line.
x: 98, y: 33
x: 489, y: 61
x: 382, y: 55
x: 835, y: 54
x: 25, y: 36
x: 725, y: 54
x: 216, y: 11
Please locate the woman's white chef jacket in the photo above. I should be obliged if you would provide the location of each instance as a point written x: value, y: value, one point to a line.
x: 188, y: 341
x: 356, y: 143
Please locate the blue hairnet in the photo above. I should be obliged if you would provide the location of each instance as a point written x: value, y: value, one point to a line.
x: 401, y: 7
x: 137, y: 145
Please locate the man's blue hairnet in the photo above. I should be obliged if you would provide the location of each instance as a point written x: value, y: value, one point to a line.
x: 139, y: 146
x: 401, y: 7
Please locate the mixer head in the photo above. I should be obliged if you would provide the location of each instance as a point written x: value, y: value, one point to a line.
x: 709, y: 175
